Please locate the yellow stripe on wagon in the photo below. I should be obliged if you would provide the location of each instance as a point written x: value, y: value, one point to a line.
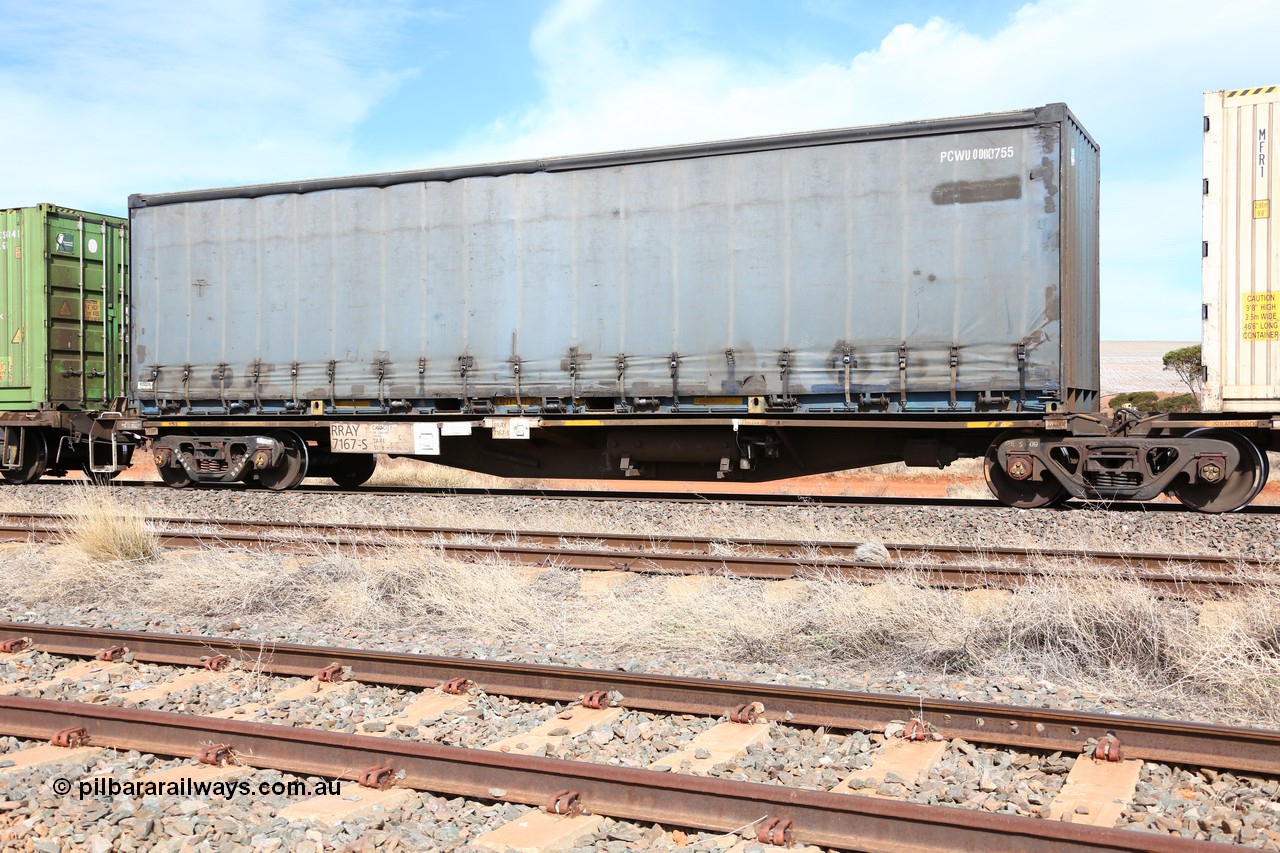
x: 988, y: 424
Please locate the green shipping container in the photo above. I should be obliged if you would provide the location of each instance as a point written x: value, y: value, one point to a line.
x: 63, y: 286
x: 63, y: 278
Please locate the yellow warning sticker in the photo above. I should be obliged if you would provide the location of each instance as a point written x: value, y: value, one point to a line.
x: 17, y: 337
x: 93, y: 310
x: 1260, y: 317
x: 1262, y: 209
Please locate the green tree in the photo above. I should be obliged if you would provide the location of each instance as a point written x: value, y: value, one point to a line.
x: 1141, y: 400
x: 1176, y: 403
x: 1186, y: 363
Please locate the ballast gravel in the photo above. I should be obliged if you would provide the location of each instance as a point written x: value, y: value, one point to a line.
x: 37, y: 819
x: 1135, y: 529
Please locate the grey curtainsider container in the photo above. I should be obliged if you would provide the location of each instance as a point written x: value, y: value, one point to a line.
x: 953, y: 262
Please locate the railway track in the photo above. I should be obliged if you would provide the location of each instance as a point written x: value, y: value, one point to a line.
x: 828, y: 818
x: 943, y: 565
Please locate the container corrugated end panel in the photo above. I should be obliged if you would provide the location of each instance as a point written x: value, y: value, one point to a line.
x: 1241, y: 272
x: 63, y: 276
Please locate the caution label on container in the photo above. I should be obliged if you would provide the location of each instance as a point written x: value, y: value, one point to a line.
x: 1262, y: 209
x: 1260, y: 317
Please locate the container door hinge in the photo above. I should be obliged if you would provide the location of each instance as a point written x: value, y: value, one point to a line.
x: 222, y: 385
x: 465, y: 363
x: 381, y: 365
x: 849, y: 364
x: 675, y: 381
x: 955, y: 370
x: 902, y: 375
x: 621, y: 364
x: 784, y: 365
x: 515, y: 371
x: 1022, y: 375
x: 573, y: 377
x: 257, y: 387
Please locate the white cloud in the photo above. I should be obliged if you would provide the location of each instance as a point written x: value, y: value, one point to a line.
x: 151, y: 96
x: 615, y: 78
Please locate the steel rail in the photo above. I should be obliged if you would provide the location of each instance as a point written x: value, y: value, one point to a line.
x: 692, y: 555
x: 834, y: 820
x: 845, y: 551
x: 1173, y: 742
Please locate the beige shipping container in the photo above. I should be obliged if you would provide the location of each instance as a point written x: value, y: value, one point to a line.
x: 1241, y: 251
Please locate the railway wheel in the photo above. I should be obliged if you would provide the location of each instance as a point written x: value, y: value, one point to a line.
x: 292, y: 469
x: 1024, y: 494
x: 175, y: 476
x: 1238, y: 489
x: 355, y: 471
x: 34, y: 455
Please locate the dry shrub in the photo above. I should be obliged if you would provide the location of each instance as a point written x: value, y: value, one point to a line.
x: 1233, y: 649
x: 105, y: 530
x: 1070, y: 627
x: 1085, y: 629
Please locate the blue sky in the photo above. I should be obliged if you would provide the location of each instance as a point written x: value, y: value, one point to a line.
x: 103, y: 99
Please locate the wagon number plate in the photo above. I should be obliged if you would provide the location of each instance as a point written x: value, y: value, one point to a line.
x: 420, y: 439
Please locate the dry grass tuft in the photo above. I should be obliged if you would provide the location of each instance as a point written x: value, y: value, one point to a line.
x: 1072, y: 627
x: 105, y: 530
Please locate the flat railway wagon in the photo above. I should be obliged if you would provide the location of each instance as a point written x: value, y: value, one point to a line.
x: 63, y: 286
